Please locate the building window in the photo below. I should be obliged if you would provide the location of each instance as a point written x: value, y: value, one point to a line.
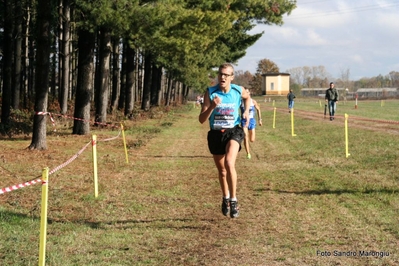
x: 272, y: 86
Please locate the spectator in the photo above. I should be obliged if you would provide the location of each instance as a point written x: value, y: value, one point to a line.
x: 290, y: 97
x: 332, y: 99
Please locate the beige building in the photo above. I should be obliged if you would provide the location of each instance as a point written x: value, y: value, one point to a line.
x: 275, y: 83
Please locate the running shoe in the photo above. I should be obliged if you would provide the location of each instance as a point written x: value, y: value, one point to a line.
x: 225, y: 206
x: 234, y: 212
x: 248, y: 156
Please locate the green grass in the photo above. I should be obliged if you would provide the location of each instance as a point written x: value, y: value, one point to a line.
x: 298, y: 195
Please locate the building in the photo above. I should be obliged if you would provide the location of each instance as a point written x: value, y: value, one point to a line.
x: 319, y: 92
x: 275, y: 83
x: 377, y: 93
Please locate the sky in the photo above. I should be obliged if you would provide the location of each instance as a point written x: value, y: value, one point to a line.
x: 361, y: 36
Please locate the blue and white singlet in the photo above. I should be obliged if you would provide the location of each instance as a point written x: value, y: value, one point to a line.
x: 226, y: 114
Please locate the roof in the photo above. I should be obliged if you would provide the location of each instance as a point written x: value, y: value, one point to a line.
x: 319, y: 89
x: 376, y: 89
x: 275, y: 74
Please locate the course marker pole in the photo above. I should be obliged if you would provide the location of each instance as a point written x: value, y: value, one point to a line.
x: 292, y: 123
x: 346, y: 135
x: 94, y: 145
x: 274, y: 118
x: 43, y: 220
x: 124, y: 143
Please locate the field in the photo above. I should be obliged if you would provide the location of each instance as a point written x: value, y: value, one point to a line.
x: 302, y: 201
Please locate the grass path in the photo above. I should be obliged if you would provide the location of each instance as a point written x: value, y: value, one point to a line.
x: 285, y: 219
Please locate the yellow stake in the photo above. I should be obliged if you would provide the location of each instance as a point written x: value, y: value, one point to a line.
x: 43, y: 218
x: 292, y: 123
x: 274, y: 118
x: 124, y: 144
x: 346, y: 135
x: 94, y: 145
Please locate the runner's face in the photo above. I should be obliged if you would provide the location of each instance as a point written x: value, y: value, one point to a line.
x: 225, y: 77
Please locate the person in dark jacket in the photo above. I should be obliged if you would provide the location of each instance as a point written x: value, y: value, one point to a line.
x: 290, y: 97
x: 332, y: 99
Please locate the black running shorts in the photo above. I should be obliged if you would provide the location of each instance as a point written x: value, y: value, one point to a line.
x: 218, y: 139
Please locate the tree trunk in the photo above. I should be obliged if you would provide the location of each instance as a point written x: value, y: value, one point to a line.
x: 53, y: 70
x: 26, y: 65
x: 17, y: 56
x: 115, y: 73
x: 42, y: 74
x: 156, y: 85
x: 145, y: 105
x: 121, y: 102
x: 84, y: 89
x: 130, y: 81
x: 138, y: 92
x: 31, y: 69
x: 65, y: 57
x: 186, y: 90
x: 168, y: 90
x: 7, y: 64
x: 102, y: 88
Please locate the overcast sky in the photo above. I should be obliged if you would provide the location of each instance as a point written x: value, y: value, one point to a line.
x: 359, y: 35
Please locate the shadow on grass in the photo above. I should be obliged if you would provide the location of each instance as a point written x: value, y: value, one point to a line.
x: 179, y: 156
x: 328, y: 191
x: 178, y: 223
x: 6, y: 216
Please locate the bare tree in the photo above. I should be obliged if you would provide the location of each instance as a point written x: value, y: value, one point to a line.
x: 345, y: 74
x: 296, y: 76
x: 394, y: 76
x: 243, y: 78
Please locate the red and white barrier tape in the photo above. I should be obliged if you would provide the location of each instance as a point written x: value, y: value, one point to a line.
x: 15, y: 187
x: 69, y: 160
x: 74, y: 118
x: 79, y: 119
x: 51, y: 118
x: 112, y: 137
x: 33, y: 182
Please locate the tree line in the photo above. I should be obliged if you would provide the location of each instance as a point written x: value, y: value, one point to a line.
x: 94, y: 57
x: 313, y: 77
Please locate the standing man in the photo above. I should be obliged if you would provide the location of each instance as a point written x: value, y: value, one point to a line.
x: 250, y: 130
x: 332, y: 99
x: 290, y: 97
x: 221, y: 107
